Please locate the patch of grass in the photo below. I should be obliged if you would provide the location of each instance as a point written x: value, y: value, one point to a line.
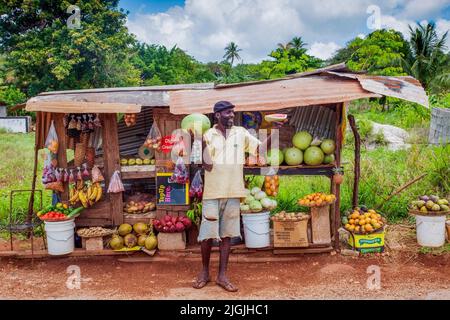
x: 436, y: 251
x: 16, y: 171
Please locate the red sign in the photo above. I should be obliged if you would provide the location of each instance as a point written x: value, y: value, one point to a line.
x: 167, y: 143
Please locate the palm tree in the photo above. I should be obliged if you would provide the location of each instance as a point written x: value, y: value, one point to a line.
x: 297, y: 43
x: 231, y: 52
x: 284, y: 47
x: 426, y: 60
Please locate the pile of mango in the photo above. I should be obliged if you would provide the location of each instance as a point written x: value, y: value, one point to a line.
x: 363, y: 220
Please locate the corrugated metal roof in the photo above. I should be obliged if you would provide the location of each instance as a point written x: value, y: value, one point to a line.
x: 268, y: 96
x: 332, y: 84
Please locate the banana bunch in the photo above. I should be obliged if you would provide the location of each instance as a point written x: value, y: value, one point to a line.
x: 88, y: 195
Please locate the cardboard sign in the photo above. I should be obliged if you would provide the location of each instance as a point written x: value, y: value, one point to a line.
x: 170, y: 193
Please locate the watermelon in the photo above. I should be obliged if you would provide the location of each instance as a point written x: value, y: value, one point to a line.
x: 276, y: 117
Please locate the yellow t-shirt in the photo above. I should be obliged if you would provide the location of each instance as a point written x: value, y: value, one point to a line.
x: 226, y: 179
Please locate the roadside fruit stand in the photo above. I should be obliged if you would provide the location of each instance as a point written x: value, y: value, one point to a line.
x: 127, y: 144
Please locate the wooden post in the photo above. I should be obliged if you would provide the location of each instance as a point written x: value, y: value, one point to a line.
x: 58, y: 120
x: 111, y: 159
x: 335, y: 188
x: 351, y: 120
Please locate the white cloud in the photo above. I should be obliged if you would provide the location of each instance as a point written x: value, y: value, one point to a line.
x: 323, y: 50
x: 204, y: 27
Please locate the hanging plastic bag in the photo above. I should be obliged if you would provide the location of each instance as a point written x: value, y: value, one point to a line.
x: 48, y: 173
x: 180, y: 173
x: 51, y: 142
x: 57, y: 186
x: 115, y: 185
x: 154, y: 138
x: 97, y: 175
x: 196, y: 152
x: 196, y: 188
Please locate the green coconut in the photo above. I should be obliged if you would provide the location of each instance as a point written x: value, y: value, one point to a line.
x: 151, y: 242
x: 125, y: 229
x: 116, y: 242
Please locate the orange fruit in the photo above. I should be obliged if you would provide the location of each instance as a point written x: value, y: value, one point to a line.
x: 357, y: 229
x: 368, y: 228
x: 268, y: 179
x: 362, y: 222
x: 351, y: 221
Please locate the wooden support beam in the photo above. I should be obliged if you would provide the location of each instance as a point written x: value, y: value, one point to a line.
x: 111, y: 160
x: 357, y: 175
x: 58, y: 120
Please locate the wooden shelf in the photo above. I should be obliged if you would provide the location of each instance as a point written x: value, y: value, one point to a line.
x: 135, y: 218
x: 324, y: 170
x: 137, y: 175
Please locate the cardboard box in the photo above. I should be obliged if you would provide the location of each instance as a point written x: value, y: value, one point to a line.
x: 365, y: 243
x: 92, y: 244
x: 290, y: 234
x: 172, y: 241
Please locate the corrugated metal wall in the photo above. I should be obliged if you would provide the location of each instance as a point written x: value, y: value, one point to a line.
x: 319, y: 121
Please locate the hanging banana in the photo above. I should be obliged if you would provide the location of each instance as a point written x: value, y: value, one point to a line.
x: 99, y: 192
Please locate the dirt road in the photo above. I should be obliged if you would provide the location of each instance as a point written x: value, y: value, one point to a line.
x: 314, y: 276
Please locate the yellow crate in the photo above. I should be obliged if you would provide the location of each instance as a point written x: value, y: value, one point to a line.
x: 363, y: 241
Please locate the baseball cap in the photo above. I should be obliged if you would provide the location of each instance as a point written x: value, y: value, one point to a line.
x: 222, y: 105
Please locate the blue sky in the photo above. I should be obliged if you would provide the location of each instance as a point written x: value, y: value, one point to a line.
x: 152, y: 6
x: 204, y: 27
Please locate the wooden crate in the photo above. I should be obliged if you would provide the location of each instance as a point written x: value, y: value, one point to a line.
x: 172, y: 241
x: 290, y: 234
x: 92, y: 244
x: 320, y: 225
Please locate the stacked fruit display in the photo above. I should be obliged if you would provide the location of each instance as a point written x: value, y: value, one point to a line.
x: 306, y: 149
x: 128, y: 236
x: 430, y: 205
x: 171, y: 224
x: 257, y: 201
x: 289, y: 216
x: 271, y: 185
x: 317, y: 199
x: 137, y: 207
x: 362, y: 220
x: 136, y: 161
x: 58, y: 212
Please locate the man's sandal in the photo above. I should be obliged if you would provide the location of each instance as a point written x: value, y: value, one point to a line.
x: 200, y: 283
x: 227, y: 286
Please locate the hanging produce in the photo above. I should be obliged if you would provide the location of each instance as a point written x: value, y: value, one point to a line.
x: 154, y: 138
x: 196, y: 152
x: 51, y: 142
x: 196, y: 187
x: 271, y: 185
x: 115, y: 185
x: 180, y: 173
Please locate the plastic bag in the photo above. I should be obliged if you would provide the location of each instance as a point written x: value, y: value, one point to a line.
x: 51, y: 142
x: 97, y: 175
x: 154, y: 138
x: 55, y: 186
x: 196, y: 152
x: 180, y: 173
x: 48, y: 173
x: 115, y: 185
x: 196, y: 188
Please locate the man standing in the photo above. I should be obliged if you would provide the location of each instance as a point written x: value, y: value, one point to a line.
x: 224, y: 160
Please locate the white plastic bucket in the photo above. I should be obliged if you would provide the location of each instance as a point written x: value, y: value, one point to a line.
x: 256, y: 229
x: 60, y: 237
x: 430, y: 230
